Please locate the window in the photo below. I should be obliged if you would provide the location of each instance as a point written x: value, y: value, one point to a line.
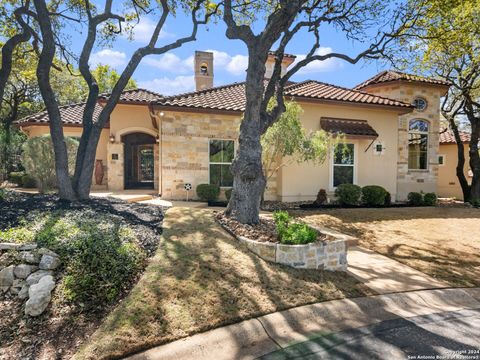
x: 420, y: 103
x: 418, y: 145
x: 221, y: 157
x: 204, y: 69
x: 343, y: 164
x: 441, y: 160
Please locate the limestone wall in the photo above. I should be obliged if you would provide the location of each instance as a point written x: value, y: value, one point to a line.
x: 185, y: 148
x: 409, y: 179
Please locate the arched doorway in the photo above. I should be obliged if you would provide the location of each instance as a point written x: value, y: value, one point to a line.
x: 139, y: 165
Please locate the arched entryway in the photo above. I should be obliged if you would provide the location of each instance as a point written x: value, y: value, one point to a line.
x: 139, y: 164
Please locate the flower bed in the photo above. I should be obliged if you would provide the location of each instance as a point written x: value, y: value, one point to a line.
x: 328, y: 252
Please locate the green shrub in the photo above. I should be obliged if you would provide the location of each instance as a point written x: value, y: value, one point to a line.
x: 208, y: 192
x: 374, y: 195
x: 293, y: 233
x: 39, y: 160
x: 28, y: 181
x: 16, y: 177
x: 298, y: 233
x: 430, y: 199
x: 2, y: 195
x: 388, y: 199
x: 228, y: 194
x: 415, y: 199
x: 348, y: 194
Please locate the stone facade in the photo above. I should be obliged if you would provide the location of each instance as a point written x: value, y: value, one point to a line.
x: 185, y: 141
x: 408, y: 179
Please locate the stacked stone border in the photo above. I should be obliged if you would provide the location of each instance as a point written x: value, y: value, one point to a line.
x: 329, y: 254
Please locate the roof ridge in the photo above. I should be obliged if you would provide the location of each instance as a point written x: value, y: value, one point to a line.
x: 197, y: 92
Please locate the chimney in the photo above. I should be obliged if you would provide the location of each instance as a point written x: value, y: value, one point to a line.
x: 203, y: 70
x: 288, y: 59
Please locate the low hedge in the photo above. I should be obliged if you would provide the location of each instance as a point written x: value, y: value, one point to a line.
x: 348, y: 194
x: 415, y: 199
x: 208, y: 192
x: 28, y: 181
x: 374, y: 195
x: 430, y: 199
x: 293, y: 233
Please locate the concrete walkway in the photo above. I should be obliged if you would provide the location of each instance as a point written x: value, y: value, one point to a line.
x: 253, y: 338
x: 384, y: 275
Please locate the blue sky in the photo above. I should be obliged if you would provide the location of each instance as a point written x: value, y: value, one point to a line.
x: 173, y: 72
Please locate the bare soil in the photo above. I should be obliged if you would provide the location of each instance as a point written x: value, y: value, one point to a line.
x: 443, y: 242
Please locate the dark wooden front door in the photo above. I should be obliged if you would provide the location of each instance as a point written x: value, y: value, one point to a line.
x: 139, y: 161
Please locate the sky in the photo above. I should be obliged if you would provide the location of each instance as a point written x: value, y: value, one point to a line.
x: 172, y: 73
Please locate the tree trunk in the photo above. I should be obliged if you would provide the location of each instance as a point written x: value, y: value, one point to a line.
x: 460, y: 169
x: 64, y: 185
x: 248, y: 178
x: 84, y: 181
x: 475, y: 162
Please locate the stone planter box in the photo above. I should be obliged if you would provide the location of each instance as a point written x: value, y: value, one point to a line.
x: 330, y: 254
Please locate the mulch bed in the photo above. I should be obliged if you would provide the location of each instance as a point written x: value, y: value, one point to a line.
x: 265, y: 231
x: 61, y: 329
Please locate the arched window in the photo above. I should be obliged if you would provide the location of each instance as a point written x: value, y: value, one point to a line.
x: 204, y: 69
x: 418, y: 144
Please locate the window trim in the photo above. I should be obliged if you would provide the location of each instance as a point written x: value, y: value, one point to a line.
x: 220, y: 163
x: 332, y: 164
x: 422, y: 98
x: 428, y: 143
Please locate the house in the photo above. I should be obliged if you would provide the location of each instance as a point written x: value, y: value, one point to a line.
x: 390, y: 123
x: 448, y: 184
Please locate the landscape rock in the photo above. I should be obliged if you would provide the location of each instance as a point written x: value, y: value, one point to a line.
x: 45, y: 251
x: 7, y: 277
x: 39, y: 296
x: 17, y: 285
x: 9, y: 246
x: 49, y: 262
x: 37, y: 275
x: 23, y: 270
x: 30, y: 257
x: 23, y: 293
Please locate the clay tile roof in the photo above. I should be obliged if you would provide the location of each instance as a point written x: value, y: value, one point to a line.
x: 447, y: 137
x: 71, y: 114
x: 136, y: 96
x: 391, y: 75
x: 322, y: 91
x: 348, y: 127
x: 284, y: 55
x: 228, y: 97
x: 232, y: 97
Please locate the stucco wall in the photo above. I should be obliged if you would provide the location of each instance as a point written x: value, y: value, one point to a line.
x: 101, y: 153
x: 127, y: 119
x: 303, y: 181
x: 408, y: 179
x: 448, y: 185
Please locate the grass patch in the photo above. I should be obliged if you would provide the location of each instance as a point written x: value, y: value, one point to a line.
x: 442, y: 242
x: 201, y: 278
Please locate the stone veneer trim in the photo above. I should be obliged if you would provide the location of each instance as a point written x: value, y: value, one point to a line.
x: 328, y: 255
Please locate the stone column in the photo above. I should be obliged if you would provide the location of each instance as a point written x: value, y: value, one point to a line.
x: 115, y: 172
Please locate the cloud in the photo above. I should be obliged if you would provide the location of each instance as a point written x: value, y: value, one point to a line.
x: 319, y: 66
x: 142, y: 32
x: 108, y: 57
x: 169, y: 86
x: 170, y: 62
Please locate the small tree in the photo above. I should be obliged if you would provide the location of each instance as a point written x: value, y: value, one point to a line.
x: 39, y: 160
x: 287, y: 142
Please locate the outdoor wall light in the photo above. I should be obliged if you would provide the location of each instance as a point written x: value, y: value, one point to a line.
x: 112, y: 138
x: 157, y: 138
x: 162, y: 113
